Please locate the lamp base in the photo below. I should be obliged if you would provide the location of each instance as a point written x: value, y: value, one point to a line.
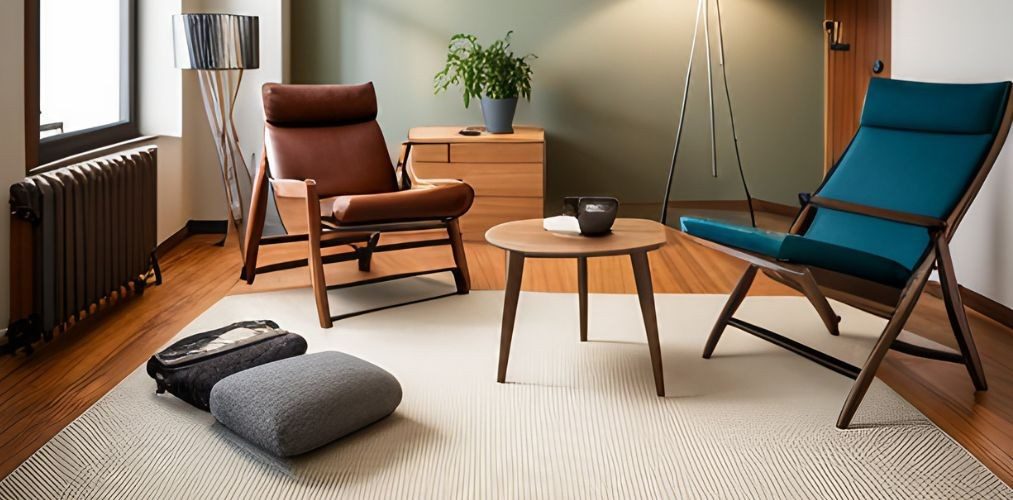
x: 219, y: 89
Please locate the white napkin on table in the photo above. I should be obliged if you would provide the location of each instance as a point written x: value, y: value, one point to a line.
x: 561, y: 224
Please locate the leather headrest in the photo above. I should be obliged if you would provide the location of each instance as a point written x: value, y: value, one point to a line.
x: 302, y: 105
x: 942, y: 108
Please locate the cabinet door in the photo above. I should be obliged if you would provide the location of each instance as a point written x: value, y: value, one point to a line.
x: 490, y: 152
x: 488, y: 211
x: 431, y: 152
x: 489, y: 179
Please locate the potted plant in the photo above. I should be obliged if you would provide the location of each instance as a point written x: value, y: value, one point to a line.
x: 493, y: 74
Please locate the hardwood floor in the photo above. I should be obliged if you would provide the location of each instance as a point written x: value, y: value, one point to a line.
x: 42, y: 393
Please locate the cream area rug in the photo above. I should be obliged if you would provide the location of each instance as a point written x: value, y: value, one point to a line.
x: 576, y: 420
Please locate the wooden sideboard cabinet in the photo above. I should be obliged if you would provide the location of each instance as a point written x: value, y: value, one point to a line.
x: 506, y: 170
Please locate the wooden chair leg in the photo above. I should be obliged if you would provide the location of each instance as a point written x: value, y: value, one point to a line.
x: 905, y: 306
x: 958, y: 316
x: 819, y: 301
x: 366, y: 252
x: 868, y: 373
x: 734, y: 301
x: 461, y: 277
x: 316, y: 263
x: 255, y: 221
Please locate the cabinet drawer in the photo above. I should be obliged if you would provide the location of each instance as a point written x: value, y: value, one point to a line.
x: 431, y: 152
x: 488, y: 152
x: 489, y: 179
x: 489, y: 211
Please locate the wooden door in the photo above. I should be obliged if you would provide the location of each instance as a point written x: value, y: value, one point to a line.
x: 857, y: 45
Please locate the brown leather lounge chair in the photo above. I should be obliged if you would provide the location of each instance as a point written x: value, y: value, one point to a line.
x: 333, y: 183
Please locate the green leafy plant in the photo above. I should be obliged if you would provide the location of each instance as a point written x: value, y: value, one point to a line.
x: 492, y: 71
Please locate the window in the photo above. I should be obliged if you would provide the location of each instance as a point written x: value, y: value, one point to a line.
x: 83, y: 76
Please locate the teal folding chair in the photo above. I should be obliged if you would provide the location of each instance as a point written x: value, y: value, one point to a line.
x: 881, y: 221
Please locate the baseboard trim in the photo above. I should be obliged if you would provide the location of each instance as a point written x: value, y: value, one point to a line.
x: 207, y: 226
x: 172, y: 242
x: 980, y: 303
x: 190, y: 228
x: 774, y: 208
x: 758, y: 205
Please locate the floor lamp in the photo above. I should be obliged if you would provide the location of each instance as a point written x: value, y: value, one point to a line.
x: 703, y: 8
x: 220, y: 47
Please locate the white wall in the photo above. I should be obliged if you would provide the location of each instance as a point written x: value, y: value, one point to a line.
x: 160, y: 92
x: 12, y: 130
x: 160, y: 101
x: 950, y: 41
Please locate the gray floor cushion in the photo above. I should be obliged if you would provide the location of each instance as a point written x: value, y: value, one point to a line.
x: 295, y: 405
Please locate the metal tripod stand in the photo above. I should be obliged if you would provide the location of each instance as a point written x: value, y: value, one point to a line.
x: 703, y: 10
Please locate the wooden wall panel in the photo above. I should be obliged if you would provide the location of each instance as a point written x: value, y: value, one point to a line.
x: 866, y: 28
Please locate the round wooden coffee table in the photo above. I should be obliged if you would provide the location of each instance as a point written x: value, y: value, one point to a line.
x: 527, y: 238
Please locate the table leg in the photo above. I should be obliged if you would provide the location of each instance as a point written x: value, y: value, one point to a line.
x: 645, y: 291
x: 582, y: 295
x: 514, y: 271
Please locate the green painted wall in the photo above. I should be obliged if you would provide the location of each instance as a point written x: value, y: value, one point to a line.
x: 607, y: 85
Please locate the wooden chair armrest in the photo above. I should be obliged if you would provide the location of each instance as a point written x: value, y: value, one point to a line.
x: 403, y: 177
x: 431, y: 183
x: 416, y: 182
x: 879, y: 213
x: 403, y: 154
x: 291, y: 188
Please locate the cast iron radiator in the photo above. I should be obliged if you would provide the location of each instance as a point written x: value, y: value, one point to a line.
x: 82, y: 239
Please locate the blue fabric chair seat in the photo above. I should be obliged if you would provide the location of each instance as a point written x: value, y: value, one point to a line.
x: 800, y: 250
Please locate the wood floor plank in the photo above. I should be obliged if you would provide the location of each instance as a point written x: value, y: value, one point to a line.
x: 42, y: 393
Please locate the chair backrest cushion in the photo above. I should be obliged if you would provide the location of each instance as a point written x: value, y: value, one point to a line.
x: 327, y: 133
x: 917, y: 150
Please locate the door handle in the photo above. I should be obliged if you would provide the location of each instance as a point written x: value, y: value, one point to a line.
x: 834, y: 31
